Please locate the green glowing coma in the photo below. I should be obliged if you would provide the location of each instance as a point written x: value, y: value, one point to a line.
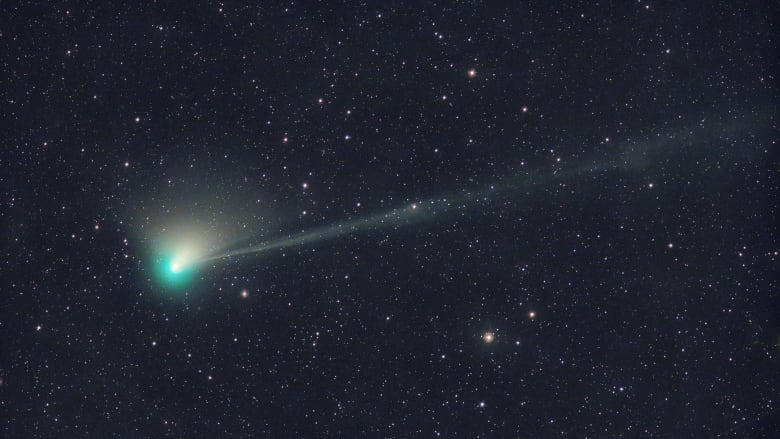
x: 172, y: 273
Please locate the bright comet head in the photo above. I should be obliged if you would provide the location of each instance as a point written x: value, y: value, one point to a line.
x: 181, y: 261
x: 173, y: 271
x: 177, y: 258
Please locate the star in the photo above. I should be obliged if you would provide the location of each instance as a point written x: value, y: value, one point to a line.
x: 488, y: 337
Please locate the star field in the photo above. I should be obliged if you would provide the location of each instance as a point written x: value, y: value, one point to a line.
x: 403, y: 219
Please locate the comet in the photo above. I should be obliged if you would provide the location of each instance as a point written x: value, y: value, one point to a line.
x: 176, y: 256
x: 179, y: 263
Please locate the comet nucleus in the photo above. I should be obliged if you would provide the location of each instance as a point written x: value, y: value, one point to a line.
x: 176, y: 257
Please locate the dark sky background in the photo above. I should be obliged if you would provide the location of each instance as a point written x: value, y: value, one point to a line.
x: 623, y: 284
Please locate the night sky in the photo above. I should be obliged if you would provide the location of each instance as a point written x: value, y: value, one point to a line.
x: 327, y: 219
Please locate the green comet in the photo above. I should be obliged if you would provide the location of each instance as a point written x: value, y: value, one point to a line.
x: 173, y: 263
x: 184, y: 251
x: 172, y: 273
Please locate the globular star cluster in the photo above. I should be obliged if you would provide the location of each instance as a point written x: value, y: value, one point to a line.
x: 391, y: 219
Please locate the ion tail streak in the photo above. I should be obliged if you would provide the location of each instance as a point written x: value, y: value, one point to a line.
x: 628, y: 157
